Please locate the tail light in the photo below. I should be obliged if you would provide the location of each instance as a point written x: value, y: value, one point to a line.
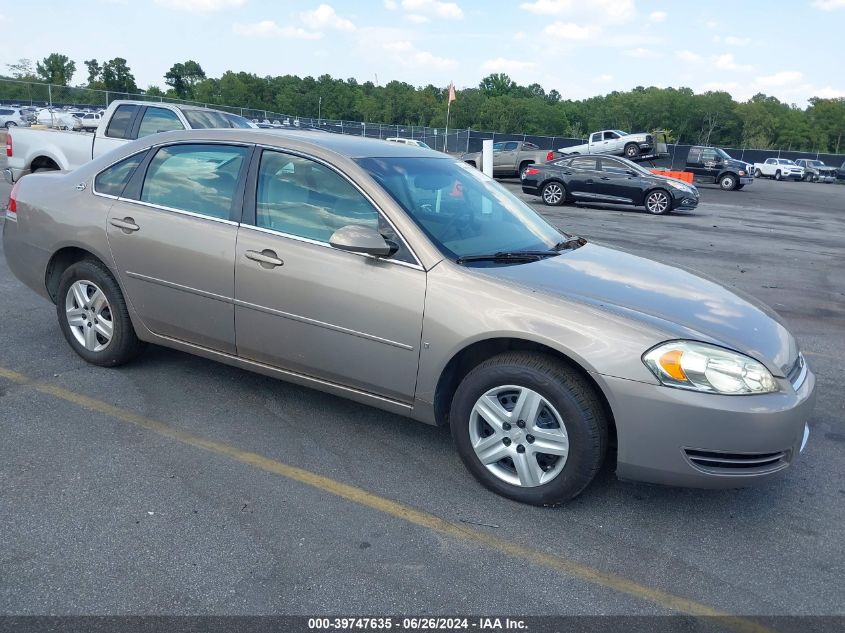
x: 12, y: 209
x: 532, y: 171
x: 8, y: 144
x: 549, y: 156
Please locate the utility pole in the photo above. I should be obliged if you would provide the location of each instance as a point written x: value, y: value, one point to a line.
x: 319, y: 109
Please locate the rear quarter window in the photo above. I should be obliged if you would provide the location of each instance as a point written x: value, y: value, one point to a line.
x: 112, y: 181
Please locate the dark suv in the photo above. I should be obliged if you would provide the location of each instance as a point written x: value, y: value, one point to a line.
x: 712, y: 164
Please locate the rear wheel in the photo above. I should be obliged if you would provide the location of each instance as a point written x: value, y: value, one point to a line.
x: 632, y: 150
x: 93, y: 316
x: 553, y: 194
x: 529, y: 428
x: 658, y: 202
x: 10, y: 124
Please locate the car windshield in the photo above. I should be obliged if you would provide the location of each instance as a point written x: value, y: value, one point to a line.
x: 620, y: 132
x: 786, y: 161
x: 815, y: 163
x: 462, y: 211
x: 720, y: 152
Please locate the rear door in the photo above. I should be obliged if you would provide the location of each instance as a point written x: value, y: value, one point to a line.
x: 172, y: 234
x: 585, y: 172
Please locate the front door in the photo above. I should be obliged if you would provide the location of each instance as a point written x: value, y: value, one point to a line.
x: 174, y: 242
x: 306, y: 307
x: 616, y: 184
x: 504, y: 160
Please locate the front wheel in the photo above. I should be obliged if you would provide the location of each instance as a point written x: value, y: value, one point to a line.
x: 758, y: 173
x: 529, y: 428
x: 778, y: 175
x: 553, y: 194
x: 657, y: 202
x: 632, y: 150
x: 93, y: 316
x: 728, y: 182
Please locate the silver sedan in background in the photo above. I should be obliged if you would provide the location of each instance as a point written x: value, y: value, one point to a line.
x: 401, y: 278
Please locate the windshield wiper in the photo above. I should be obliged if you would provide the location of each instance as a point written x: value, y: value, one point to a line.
x: 507, y: 256
x: 573, y: 242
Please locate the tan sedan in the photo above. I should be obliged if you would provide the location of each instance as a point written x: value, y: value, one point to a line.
x: 401, y: 278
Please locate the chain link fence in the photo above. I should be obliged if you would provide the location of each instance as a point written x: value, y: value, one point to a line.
x: 452, y: 141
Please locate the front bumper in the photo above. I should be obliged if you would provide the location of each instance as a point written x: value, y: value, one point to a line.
x: 746, y: 180
x: 685, y: 438
x: 684, y: 199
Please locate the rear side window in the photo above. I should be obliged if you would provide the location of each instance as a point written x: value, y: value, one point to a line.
x: 596, y: 137
x: 157, y: 120
x: 583, y: 163
x: 121, y: 121
x: 197, y: 178
x: 112, y: 181
x: 694, y: 155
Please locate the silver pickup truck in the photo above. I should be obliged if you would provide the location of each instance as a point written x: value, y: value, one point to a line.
x: 29, y: 150
x: 614, y: 142
x: 510, y: 158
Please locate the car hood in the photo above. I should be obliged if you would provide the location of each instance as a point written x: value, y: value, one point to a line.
x: 678, y: 303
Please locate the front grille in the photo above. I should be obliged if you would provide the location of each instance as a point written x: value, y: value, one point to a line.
x: 797, y: 373
x: 737, y: 463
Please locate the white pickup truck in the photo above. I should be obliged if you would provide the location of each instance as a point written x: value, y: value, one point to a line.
x: 779, y: 169
x: 614, y: 142
x: 29, y: 150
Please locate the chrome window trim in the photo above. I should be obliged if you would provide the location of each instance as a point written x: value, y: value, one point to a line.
x: 308, y: 240
x: 192, y: 214
x: 369, y: 199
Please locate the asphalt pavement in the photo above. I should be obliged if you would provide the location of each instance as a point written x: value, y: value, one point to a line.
x: 176, y: 485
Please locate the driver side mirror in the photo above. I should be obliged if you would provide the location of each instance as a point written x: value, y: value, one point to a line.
x: 362, y: 239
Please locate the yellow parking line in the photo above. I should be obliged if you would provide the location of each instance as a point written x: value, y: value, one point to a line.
x: 396, y: 509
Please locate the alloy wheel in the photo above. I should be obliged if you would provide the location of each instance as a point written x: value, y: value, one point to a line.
x: 657, y: 202
x: 518, y: 436
x: 552, y: 193
x: 89, y: 315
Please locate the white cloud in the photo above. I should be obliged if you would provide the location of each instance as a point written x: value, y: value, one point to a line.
x: 325, y: 16
x: 570, y: 31
x: 658, y: 16
x: 732, y: 40
x: 602, y: 10
x: 500, y: 64
x: 783, y: 78
x: 641, y: 53
x: 689, y: 56
x: 200, y: 6
x: 711, y: 24
x: 416, y: 18
x: 603, y: 79
x: 829, y: 5
x: 727, y: 62
x: 425, y: 59
x: 720, y: 86
x: 268, y: 28
x: 436, y: 8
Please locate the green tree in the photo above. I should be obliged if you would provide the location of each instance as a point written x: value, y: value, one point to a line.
x: 117, y: 76
x: 94, y: 71
x: 183, y: 77
x: 497, y: 85
x: 56, y: 69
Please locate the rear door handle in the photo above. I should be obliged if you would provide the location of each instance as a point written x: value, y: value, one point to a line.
x: 126, y: 224
x: 267, y: 258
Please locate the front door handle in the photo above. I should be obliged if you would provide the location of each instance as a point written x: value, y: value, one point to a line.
x: 605, y: 178
x: 127, y: 225
x: 267, y: 258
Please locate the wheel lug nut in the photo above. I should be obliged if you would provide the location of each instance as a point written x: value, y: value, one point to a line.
x: 520, y: 448
x: 521, y: 424
x: 529, y: 439
x: 507, y: 426
x: 506, y: 441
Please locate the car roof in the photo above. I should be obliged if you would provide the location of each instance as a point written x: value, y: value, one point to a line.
x: 346, y: 145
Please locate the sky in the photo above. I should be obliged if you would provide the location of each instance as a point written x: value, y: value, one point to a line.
x: 792, y: 49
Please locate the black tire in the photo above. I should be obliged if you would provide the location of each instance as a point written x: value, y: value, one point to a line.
x: 654, y: 208
x: 124, y: 344
x: 758, y: 173
x: 567, y: 391
x: 553, y: 193
x: 11, y: 124
x: 632, y: 150
x: 728, y: 182
x: 778, y: 175
x: 522, y: 167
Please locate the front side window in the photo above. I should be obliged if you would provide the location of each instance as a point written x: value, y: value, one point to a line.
x: 462, y: 211
x: 708, y: 155
x: 157, y: 120
x: 112, y: 181
x: 301, y: 197
x: 121, y: 121
x: 609, y: 136
x: 510, y: 146
x: 197, y: 178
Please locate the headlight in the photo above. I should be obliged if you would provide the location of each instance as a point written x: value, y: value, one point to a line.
x: 703, y: 367
x: 679, y: 185
x: 741, y: 172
